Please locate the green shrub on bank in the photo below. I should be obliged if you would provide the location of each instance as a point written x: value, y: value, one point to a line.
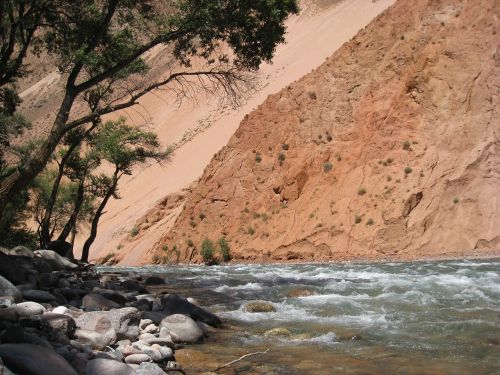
x: 224, y: 249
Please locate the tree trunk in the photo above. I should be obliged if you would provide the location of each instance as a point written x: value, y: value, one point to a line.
x: 71, y: 223
x: 97, y: 217
x: 45, y: 225
x: 26, y: 172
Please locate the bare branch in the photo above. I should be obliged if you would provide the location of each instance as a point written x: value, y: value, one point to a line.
x: 239, y: 359
x: 231, y: 82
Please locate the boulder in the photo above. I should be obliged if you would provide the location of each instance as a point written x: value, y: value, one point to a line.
x: 125, y: 321
x: 259, y: 307
x: 58, y: 325
x: 38, y: 295
x: 166, y: 352
x: 56, y: 261
x: 28, y: 359
x: 8, y: 292
x: 100, y: 366
x: 138, y: 358
x: 21, y: 251
x: 133, y: 285
x: 146, y: 349
x: 96, y: 301
x: 154, y: 280
x: 28, y: 309
x: 16, y: 269
x: 147, y: 368
x: 182, y: 328
x: 163, y: 341
x: 97, y: 340
x: 174, y: 304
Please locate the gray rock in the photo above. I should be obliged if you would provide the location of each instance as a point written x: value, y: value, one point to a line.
x: 146, y: 349
x: 259, y: 307
x: 28, y: 359
x: 28, y: 309
x: 125, y: 321
x: 163, y: 341
x: 182, y: 328
x: 38, y: 295
x: 8, y: 291
x: 138, y: 358
x: 21, y: 251
x: 96, y: 301
x: 96, y: 340
x: 151, y: 328
x: 102, y: 366
x: 147, y: 368
x: 166, y: 352
x: 60, y: 310
x: 58, y: 325
x: 55, y: 260
x: 129, y: 350
x: 144, y: 323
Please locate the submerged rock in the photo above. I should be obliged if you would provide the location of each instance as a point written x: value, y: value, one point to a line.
x: 259, y: 307
x: 28, y: 359
x: 300, y: 292
x: 280, y: 331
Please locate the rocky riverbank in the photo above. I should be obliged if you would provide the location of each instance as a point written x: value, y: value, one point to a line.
x: 59, y: 317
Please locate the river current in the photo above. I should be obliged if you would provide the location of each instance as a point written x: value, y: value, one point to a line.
x: 440, y: 317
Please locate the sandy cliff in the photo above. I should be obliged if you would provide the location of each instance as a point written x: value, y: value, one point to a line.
x: 390, y: 148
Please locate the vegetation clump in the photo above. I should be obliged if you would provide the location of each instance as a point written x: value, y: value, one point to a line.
x: 207, y: 252
x: 408, y: 170
x: 327, y: 167
x: 224, y: 249
x: 361, y: 191
x: 406, y: 145
x: 281, y: 158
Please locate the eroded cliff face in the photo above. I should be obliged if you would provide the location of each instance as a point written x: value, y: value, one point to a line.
x: 390, y: 149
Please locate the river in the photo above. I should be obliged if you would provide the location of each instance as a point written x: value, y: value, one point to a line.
x: 439, y: 317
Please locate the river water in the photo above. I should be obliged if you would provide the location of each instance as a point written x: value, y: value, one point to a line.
x: 363, y: 318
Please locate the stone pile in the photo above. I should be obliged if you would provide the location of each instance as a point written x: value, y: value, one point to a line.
x: 60, y: 317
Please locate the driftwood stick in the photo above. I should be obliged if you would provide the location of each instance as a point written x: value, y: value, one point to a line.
x: 239, y: 359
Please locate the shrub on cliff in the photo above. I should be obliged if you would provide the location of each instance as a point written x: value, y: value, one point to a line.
x: 224, y: 249
x: 207, y: 252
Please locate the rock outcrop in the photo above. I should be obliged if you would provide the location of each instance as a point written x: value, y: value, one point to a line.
x: 390, y: 149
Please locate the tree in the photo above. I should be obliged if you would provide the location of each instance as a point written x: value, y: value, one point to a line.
x: 123, y: 147
x: 100, y: 44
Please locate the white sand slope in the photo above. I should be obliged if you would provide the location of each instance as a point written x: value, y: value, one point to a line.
x: 311, y: 37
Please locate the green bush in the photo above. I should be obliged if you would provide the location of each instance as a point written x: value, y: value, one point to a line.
x: 406, y: 145
x: 361, y: 191
x: 408, y: 170
x: 327, y: 167
x: 251, y: 231
x: 135, y: 231
x: 207, y: 252
x: 281, y: 158
x: 357, y: 219
x: 224, y: 249
x: 285, y: 146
